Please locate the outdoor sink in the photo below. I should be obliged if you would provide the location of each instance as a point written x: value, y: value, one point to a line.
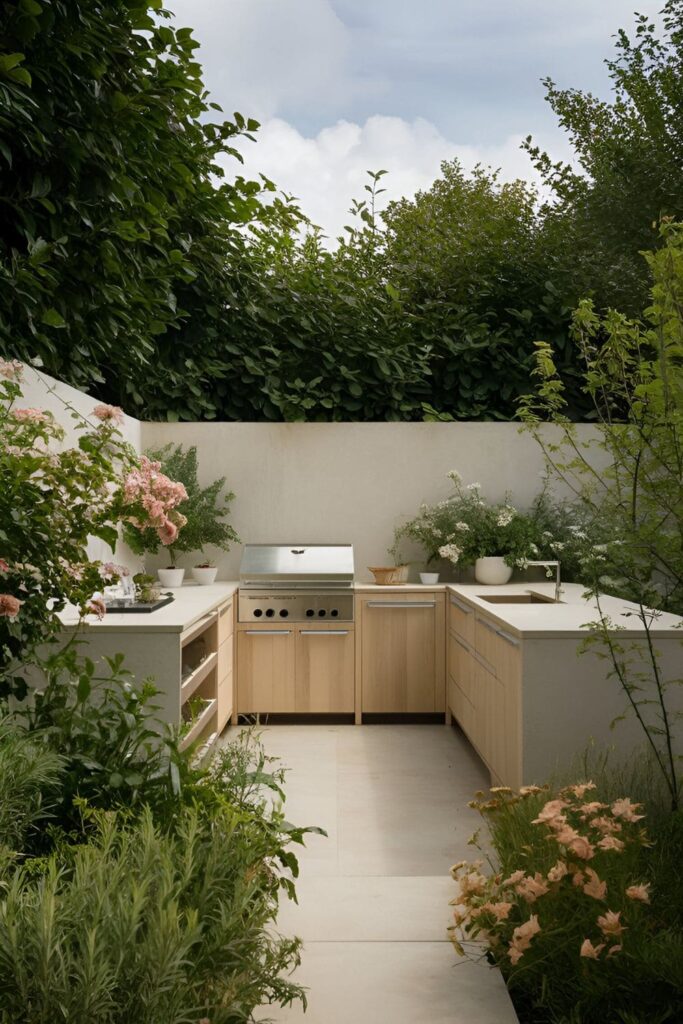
x: 527, y: 598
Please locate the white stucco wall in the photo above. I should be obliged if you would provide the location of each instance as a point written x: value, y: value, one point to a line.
x: 349, y: 482
x: 43, y: 392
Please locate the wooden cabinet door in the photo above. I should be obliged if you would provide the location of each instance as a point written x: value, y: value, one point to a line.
x: 325, y: 670
x: 461, y: 618
x: 265, y: 671
x: 399, y: 667
x: 224, y: 689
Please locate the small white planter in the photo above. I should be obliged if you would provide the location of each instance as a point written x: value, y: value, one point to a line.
x: 429, y: 578
x: 171, y: 577
x: 492, y: 570
x: 204, y: 575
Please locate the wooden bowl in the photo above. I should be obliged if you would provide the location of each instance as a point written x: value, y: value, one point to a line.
x: 389, y: 576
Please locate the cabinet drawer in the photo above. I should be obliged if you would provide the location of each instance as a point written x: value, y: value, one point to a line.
x: 224, y: 702
x: 225, y: 658
x: 325, y: 670
x: 461, y: 665
x: 461, y: 618
x: 226, y: 621
x: 461, y: 708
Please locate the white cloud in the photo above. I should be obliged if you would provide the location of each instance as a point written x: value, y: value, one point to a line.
x: 326, y: 171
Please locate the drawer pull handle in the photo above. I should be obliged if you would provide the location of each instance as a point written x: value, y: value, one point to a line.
x: 267, y: 632
x: 401, y: 604
x: 224, y: 611
x: 324, y: 632
x: 491, y: 628
x: 507, y: 638
x: 462, y: 607
x: 463, y: 645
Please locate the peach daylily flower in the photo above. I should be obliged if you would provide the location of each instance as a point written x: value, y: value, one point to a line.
x: 531, y: 888
x: 610, y: 924
x: 606, y: 825
x: 515, y: 877
x: 581, y: 847
x: 611, y: 843
x: 472, y: 884
x: 499, y: 910
x: 585, y: 810
x: 549, y: 812
x: 594, y: 886
x: 581, y: 789
x: 591, y: 951
x: 529, y: 790
x: 626, y: 810
x: 521, y: 938
x: 558, y: 871
x: 614, y: 949
x: 565, y: 834
x: 639, y: 892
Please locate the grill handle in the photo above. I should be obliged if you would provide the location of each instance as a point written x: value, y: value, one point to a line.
x: 267, y: 632
x: 401, y: 604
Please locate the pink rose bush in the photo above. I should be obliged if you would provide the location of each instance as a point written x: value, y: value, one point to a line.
x: 154, y: 498
x: 576, y: 893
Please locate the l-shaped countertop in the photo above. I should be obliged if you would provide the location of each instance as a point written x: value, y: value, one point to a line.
x: 571, y: 617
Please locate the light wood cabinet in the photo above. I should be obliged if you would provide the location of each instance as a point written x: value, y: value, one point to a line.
x: 305, y: 669
x: 401, y: 653
x: 266, y: 671
x: 325, y: 670
x: 484, y: 688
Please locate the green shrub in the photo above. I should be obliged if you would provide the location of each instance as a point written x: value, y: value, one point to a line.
x: 30, y: 779
x: 145, y: 926
x: 582, y: 908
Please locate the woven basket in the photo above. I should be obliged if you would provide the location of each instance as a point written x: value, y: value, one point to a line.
x: 386, y: 576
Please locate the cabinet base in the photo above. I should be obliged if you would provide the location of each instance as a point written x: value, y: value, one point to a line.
x: 282, y: 718
x: 403, y: 718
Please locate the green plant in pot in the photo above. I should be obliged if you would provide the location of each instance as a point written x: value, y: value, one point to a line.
x: 465, y: 530
x: 206, y: 511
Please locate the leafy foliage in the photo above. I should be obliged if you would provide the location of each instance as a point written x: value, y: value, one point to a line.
x: 205, y: 509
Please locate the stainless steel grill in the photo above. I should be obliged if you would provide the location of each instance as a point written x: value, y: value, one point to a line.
x: 297, y: 582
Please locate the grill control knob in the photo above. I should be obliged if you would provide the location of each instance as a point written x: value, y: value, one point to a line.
x: 284, y: 613
x: 322, y: 613
x: 334, y: 613
x: 270, y: 612
x: 257, y: 613
x: 309, y: 613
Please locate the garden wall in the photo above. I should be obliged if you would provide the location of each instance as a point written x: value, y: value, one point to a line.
x: 350, y: 482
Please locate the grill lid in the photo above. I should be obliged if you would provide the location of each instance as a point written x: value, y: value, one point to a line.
x: 280, y: 565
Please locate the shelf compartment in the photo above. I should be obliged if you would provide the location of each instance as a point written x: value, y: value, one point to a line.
x: 197, y: 677
x: 199, y: 627
x: 200, y: 725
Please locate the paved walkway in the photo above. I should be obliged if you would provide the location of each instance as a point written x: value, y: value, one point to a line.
x: 373, y: 897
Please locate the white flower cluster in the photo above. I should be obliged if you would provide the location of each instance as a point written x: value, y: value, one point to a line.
x: 473, y: 487
x: 462, y: 526
x: 505, y: 516
x: 454, y: 476
x: 450, y: 551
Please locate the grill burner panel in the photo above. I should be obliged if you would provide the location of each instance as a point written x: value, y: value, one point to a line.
x: 295, y: 606
x: 296, y: 583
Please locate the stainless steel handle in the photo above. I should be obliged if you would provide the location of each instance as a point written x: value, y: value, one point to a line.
x: 267, y: 632
x: 224, y: 611
x: 463, y: 607
x: 489, y: 626
x: 324, y: 632
x: 460, y: 642
x: 401, y: 604
x: 508, y: 639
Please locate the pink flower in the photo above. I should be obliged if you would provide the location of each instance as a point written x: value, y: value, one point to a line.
x: 109, y: 570
x: 581, y: 847
x: 515, y: 877
x: 11, y: 369
x: 611, y: 843
x: 30, y: 416
x: 96, y: 606
x: 108, y: 412
x: 581, y: 789
x: 472, y: 884
x: 585, y: 810
x: 591, y: 951
x: 639, y: 892
x: 167, y: 533
x: 4, y: 566
x: 550, y: 812
x: 614, y: 949
x: 626, y: 810
x: 531, y: 888
x: 9, y: 606
x: 594, y: 886
x: 610, y: 924
x: 606, y: 825
x: 565, y: 834
x: 521, y: 938
x: 529, y: 790
x: 499, y: 910
x: 557, y: 873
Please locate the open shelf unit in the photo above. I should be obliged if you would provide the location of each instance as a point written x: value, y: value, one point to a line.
x: 206, y: 673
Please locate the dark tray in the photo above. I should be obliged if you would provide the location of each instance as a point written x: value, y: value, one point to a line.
x: 140, y: 606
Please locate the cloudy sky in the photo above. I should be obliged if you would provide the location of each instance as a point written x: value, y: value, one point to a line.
x: 342, y: 86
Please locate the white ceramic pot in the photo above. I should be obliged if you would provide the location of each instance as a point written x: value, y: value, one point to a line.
x: 492, y: 570
x: 429, y: 578
x: 171, y: 577
x: 205, y: 574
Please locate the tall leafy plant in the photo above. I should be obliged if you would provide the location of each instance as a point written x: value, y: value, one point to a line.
x: 634, y: 379
x: 205, y: 510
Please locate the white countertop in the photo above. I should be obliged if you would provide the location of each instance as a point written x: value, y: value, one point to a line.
x: 192, y: 602
x: 569, y: 618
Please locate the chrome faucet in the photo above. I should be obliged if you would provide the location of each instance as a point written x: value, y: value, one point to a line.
x: 551, y: 565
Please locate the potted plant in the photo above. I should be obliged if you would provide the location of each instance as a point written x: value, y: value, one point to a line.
x: 465, y: 530
x: 204, y: 510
